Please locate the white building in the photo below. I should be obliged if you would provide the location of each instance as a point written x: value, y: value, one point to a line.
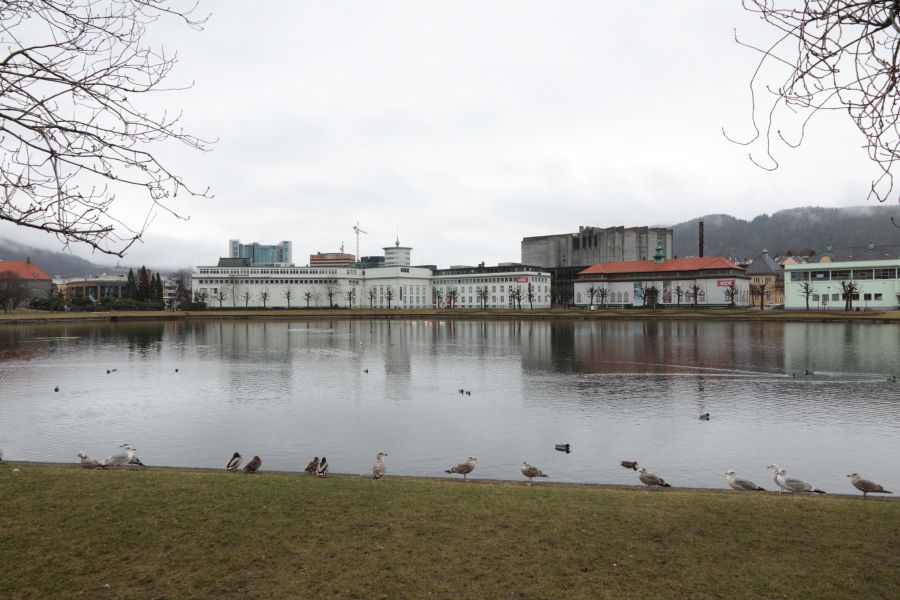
x: 396, y: 285
x: 705, y: 281
x: 876, y: 281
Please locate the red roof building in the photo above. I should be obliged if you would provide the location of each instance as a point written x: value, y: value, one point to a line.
x: 24, y: 269
x: 20, y: 282
x: 705, y: 281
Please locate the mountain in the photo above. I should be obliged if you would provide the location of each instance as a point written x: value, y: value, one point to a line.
x: 55, y: 264
x: 796, y: 231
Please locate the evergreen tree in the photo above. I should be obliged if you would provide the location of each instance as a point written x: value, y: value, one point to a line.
x: 143, y: 290
x: 130, y: 290
x: 157, y: 289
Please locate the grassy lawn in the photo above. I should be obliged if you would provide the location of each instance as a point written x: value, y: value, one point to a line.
x: 67, y: 532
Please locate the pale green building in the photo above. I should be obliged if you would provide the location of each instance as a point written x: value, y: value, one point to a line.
x: 878, y: 286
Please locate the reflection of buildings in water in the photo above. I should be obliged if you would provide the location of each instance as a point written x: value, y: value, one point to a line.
x: 841, y: 347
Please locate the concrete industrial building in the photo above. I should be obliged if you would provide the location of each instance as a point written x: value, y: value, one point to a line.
x: 565, y: 255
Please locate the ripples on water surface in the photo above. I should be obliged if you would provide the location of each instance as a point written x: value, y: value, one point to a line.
x: 289, y: 390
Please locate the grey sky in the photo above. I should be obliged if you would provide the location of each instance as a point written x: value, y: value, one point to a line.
x: 468, y: 125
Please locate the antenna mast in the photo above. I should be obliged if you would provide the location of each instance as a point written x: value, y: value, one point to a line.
x: 358, y: 231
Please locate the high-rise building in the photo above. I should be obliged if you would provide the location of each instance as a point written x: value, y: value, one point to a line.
x: 261, y: 254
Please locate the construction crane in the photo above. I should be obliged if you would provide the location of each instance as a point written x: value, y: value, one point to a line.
x: 358, y: 231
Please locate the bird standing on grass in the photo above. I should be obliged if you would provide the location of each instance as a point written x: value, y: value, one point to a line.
x: 652, y: 479
x: 791, y: 484
x: 866, y: 486
x: 531, y: 472
x: 254, y: 465
x: 234, y: 463
x: 378, y: 469
x: 322, y: 470
x: 87, y: 462
x: 463, y: 468
x: 740, y: 484
x: 313, y: 466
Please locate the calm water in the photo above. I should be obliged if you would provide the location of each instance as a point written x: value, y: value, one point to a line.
x: 289, y: 390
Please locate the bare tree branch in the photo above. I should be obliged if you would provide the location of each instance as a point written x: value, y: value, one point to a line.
x: 72, y: 140
x: 831, y: 55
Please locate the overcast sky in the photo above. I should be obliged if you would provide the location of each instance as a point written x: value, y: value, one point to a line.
x: 465, y: 126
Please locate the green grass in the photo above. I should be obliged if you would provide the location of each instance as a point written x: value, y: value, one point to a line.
x: 67, y: 532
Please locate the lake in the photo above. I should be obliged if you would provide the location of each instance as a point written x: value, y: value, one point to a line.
x: 289, y: 390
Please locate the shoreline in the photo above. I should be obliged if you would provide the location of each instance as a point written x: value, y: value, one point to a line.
x: 30, y: 317
x: 436, y: 479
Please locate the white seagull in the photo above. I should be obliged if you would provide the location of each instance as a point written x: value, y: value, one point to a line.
x: 791, y: 484
x: 119, y: 459
x: 463, y: 468
x: 87, y: 462
x: 378, y: 469
x: 531, y: 472
x: 652, y: 479
x: 740, y: 484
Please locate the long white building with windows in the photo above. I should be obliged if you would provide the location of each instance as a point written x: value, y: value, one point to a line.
x: 876, y: 284
x: 236, y: 284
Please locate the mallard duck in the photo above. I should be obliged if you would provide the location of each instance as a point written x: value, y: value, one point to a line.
x: 313, y: 466
x: 235, y: 462
x: 254, y: 465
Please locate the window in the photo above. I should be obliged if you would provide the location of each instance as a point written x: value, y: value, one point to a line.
x: 885, y: 273
x: 862, y: 273
x: 819, y: 275
x: 815, y: 297
x: 835, y: 297
x: 867, y: 296
x: 878, y: 297
x: 840, y: 275
x: 799, y: 276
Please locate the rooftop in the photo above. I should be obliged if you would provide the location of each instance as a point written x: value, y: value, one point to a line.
x: 24, y: 269
x: 705, y: 263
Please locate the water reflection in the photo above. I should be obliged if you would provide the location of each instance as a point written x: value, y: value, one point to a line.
x: 289, y: 390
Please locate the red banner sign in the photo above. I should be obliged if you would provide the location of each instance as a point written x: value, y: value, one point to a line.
x: 725, y: 282
x: 521, y: 280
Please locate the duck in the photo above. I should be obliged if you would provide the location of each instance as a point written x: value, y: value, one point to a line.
x: 463, y: 468
x: 892, y: 379
x: 56, y: 389
x: 379, y: 469
x: 254, y: 465
x: 629, y: 464
x: 704, y: 417
x: 652, y: 479
x: 322, y: 471
x: 563, y: 448
x: 234, y: 462
x: 313, y: 466
x: 531, y: 472
x: 468, y: 392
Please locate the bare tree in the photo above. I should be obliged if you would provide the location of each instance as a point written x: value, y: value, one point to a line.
x: 602, y: 295
x: 679, y: 294
x: 649, y: 295
x: 351, y: 295
x: 330, y: 292
x: 72, y: 137
x: 220, y: 296
x: 435, y: 297
x: 516, y: 296
x: 694, y: 292
x: 849, y: 289
x: 483, y: 294
x: 591, y: 291
x: 731, y: 293
x: 529, y: 295
x: 264, y: 296
x: 830, y: 55
x: 807, y: 289
x: 371, y: 294
x: 758, y: 290
x: 451, y: 297
x: 389, y: 295
x: 307, y: 295
x: 246, y: 296
x: 288, y: 294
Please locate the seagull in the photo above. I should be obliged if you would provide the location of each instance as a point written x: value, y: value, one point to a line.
x: 563, y: 448
x: 866, y: 486
x: 652, y: 479
x: 704, y: 417
x: 87, y: 462
x: 378, y: 469
x: 119, y: 459
x: 791, y: 484
x: 741, y: 484
x: 322, y: 471
x: 463, y: 468
x: 531, y: 472
x: 313, y: 466
x: 629, y: 464
x: 134, y: 460
x: 254, y: 465
x: 235, y: 462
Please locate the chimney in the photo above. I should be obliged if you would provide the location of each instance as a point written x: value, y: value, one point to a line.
x: 28, y: 259
x: 701, y: 239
